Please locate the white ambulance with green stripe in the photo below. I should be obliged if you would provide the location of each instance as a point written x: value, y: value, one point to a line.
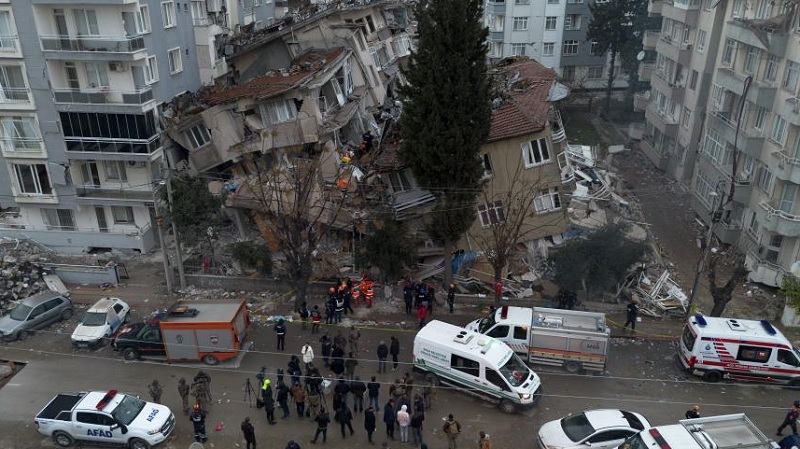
x: 476, y: 364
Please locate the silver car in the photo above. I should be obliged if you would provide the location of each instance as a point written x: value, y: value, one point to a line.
x: 35, y: 312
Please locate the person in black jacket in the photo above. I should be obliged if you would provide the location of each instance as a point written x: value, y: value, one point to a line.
x: 322, y: 426
x: 327, y: 347
x: 383, y: 354
x: 269, y: 407
x: 358, y: 388
x: 631, y: 311
x: 280, y: 332
x: 374, y: 389
x: 394, y: 350
x: 369, y: 423
x: 345, y: 418
x: 389, y: 418
x: 340, y: 393
x: 337, y: 361
x: 282, y: 395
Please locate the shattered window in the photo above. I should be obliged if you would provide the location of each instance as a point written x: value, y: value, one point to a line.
x: 535, y: 152
x: 490, y: 214
x: 547, y: 200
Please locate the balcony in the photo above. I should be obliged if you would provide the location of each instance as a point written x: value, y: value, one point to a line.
x: 646, y: 71
x: 760, y: 93
x: 495, y: 7
x: 777, y: 221
x: 112, y: 149
x: 790, y: 110
x: 687, y: 15
x: 104, y: 100
x: 774, y: 42
x: 15, y: 97
x: 108, y: 196
x: 654, y: 8
x: 496, y: 36
x: 680, y: 52
x: 557, y: 132
x: 787, y: 168
x: 666, y: 124
x: 9, y: 46
x: 641, y: 100
x: 650, y: 39
x: 750, y: 141
x: 671, y: 90
x: 728, y: 232
x: 123, y: 48
x: 22, y: 147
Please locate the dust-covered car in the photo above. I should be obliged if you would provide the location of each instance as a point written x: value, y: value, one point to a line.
x: 33, y: 313
x: 100, y: 322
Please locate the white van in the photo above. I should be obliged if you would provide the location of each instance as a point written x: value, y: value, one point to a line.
x: 476, y: 364
x: 746, y: 350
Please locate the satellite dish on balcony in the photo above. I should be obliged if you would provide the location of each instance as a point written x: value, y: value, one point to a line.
x: 795, y: 269
x: 640, y: 55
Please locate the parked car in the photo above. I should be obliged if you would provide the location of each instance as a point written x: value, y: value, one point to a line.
x: 33, y: 313
x: 596, y: 429
x: 100, y: 322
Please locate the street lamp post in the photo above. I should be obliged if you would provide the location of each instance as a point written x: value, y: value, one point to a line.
x: 705, y: 244
x: 159, y: 222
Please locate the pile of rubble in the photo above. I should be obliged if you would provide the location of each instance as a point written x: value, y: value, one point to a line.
x: 19, y: 280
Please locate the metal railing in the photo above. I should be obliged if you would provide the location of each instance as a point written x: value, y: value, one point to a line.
x: 22, y: 144
x: 15, y: 95
x: 9, y: 43
x: 774, y: 212
x: 111, y: 44
x: 103, y: 96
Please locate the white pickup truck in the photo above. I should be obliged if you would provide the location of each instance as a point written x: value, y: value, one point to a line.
x: 105, y: 418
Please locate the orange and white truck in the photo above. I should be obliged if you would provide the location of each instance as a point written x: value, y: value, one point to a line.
x: 209, y: 331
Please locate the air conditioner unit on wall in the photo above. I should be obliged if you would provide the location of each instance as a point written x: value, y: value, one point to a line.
x: 116, y: 66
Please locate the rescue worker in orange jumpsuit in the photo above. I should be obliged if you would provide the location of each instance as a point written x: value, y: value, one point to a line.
x: 366, y: 288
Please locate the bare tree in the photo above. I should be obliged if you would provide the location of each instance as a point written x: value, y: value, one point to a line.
x: 722, y: 295
x: 516, y: 220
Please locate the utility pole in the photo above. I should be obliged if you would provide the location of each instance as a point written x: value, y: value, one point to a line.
x: 178, y: 249
x: 705, y: 244
x: 162, y: 242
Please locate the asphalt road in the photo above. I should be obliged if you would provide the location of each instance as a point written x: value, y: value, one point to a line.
x: 642, y: 376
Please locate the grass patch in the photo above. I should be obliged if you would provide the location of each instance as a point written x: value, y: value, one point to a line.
x: 580, y: 129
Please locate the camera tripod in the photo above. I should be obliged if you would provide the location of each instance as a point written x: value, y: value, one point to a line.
x: 249, y: 392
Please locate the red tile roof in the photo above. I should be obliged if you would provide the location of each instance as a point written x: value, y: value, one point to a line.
x: 525, y: 106
x: 303, y: 68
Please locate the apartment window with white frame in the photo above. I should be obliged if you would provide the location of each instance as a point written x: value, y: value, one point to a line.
x: 33, y: 179
x: 728, y: 52
x: 97, y: 74
x: 738, y: 9
x: 535, y: 153
x: 520, y: 23
x: 771, y: 68
x: 401, y: 45
x: 553, y: 2
x: 20, y: 134
x: 495, y: 49
x: 8, y: 37
x: 199, y: 12
x: 491, y: 213
x: 751, y: 59
x: 760, y: 118
x: 570, y: 48
x: 687, y: 117
x: 594, y: 48
x: 764, y: 179
x: 701, y: 41
x: 143, y: 20
x: 175, y: 62
x: 198, y: 136
x: 572, y: 22
x: 763, y: 9
x: 59, y: 219
x: 487, y: 165
x: 548, y: 48
x: 522, y: 2
x: 778, y: 134
x: 278, y: 111
x: 122, y: 214
x: 547, y: 200
x: 790, y: 76
x: 115, y: 171
x: 786, y: 203
x: 151, y: 70
x: 12, y: 85
x: 373, y: 51
x: 518, y: 49
x: 550, y: 23
x: 168, y: 14
x: 594, y: 72
x: 86, y: 22
x: 714, y: 145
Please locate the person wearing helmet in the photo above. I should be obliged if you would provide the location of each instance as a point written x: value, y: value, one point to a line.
x: 198, y: 418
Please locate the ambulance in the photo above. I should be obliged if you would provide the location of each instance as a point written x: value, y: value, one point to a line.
x: 475, y: 364
x: 745, y: 350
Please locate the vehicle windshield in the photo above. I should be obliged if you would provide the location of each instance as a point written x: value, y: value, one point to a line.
x: 486, y: 323
x: 515, y: 371
x: 577, y: 427
x: 128, y: 410
x: 94, y: 319
x: 688, y: 339
x: 20, y: 313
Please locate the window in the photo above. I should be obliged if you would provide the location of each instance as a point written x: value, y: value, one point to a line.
x: 491, y: 214
x: 518, y: 49
x: 33, y: 179
x: 175, y: 62
x: 86, y: 22
x: 496, y: 379
x: 151, y: 70
x: 687, y: 117
x: 570, y: 48
x: 373, y: 51
x: 547, y: 200
x: 778, y: 130
x: 693, y: 80
x: 771, y: 69
x: 753, y: 354
x: 787, y: 358
x: 572, y: 22
x: 760, y: 118
x: 12, y: 85
x: 97, y: 74
x: 8, y: 36
x: 552, y: 2
x: 122, y: 215
x: 568, y: 73
x: 728, y: 52
x: 115, y: 170
x: 550, y: 23
x: 465, y: 365
x: 522, y: 2
x: 535, y: 153
x: 500, y: 331
x: 20, y: 134
x: 143, y: 20
x: 787, y: 202
x: 520, y: 23
x: 764, y: 179
x: 574, y: 1
x: 548, y: 48
x: 401, y: 45
x: 763, y: 9
x: 168, y: 14
x: 791, y: 76
x: 198, y: 136
x: 701, y: 41
x: 61, y: 219
x: 751, y: 60
x: 594, y: 48
x: 595, y: 72
x: 278, y: 111
x: 487, y: 165
x: 520, y: 333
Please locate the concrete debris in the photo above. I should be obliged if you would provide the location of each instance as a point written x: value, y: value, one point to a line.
x: 655, y: 298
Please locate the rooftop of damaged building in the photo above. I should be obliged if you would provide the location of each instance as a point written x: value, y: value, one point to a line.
x: 523, y: 90
x: 275, y: 82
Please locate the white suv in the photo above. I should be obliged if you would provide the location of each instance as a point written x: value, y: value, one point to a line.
x: 100, y: 322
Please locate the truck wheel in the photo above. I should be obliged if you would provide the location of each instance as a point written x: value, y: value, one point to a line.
x: 130, y: 354
x: 573, y: 367
x: 432, y: 379
x: 138, y: 443
x: 66, y: 314
x: 210, y: 359
x: 63, y: 439
x: 712, y: 376
x: 508, y: 406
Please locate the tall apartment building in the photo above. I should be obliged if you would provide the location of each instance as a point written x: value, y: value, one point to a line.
x: 552, y: 32
x: 746, y: 162
x: 81, y: 88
